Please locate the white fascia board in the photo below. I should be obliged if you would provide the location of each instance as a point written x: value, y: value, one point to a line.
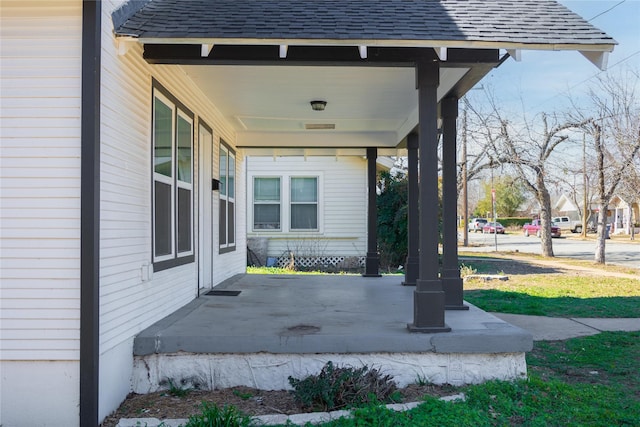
x: 468, y: 44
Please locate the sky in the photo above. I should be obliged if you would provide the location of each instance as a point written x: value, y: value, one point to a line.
x: 541, y: 80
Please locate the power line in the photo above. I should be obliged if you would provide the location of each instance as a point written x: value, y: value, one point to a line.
x: 608, y: 10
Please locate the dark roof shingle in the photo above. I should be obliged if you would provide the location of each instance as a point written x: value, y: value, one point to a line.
x: 493, y: 21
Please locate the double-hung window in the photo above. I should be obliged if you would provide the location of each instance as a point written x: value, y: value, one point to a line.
x: 172, y: 181
x: 266, y: 203
x: 304, y: 203
x: 227, y: 234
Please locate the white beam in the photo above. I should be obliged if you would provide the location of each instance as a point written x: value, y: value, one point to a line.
x: 363, y: 52
x: 599, y: 59
x: 515, y: 54
x: 441, y: 52
x: 205, y: 50
x: 283, y: 51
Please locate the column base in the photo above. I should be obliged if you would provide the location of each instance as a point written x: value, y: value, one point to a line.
x: 428, y: 310
x: 453, y: 293
x: 372, y: 265
x: 427, y: 329
x: 412, y: 270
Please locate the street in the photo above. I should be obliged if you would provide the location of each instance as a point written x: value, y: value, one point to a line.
x: 625, y: 253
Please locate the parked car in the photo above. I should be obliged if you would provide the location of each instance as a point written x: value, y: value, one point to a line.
x: 534, y: 228
x: 493, y: 227
x: 476, y: 224
x: 567, y: 224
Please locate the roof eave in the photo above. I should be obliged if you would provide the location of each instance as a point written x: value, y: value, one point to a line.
x: 465, y: 44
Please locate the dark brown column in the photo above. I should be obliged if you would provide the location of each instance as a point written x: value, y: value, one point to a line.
x: 372, y: 262
x: 428, y: 298
x: 451, y: 281
x: 412, y: 266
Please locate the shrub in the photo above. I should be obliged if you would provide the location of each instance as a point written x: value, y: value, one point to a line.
x: 340, y: 387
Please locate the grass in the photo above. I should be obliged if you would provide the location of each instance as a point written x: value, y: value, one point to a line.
x: 553, y: 292
x: 587, y: 381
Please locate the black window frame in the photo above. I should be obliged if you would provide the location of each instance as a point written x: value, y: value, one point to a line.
x: 178, y: 186
x: 227, y: 207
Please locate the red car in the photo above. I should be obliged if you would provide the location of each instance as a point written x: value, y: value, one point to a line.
x: 534, y: 228
x: 493, y: 227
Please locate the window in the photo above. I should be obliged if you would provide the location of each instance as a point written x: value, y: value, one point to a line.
x: 304, y: 203
x: 266, y: 203
x: 227, y: 199
x: 172, y: 181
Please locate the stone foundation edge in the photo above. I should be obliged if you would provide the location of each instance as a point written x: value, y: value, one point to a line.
x: 266, y: 371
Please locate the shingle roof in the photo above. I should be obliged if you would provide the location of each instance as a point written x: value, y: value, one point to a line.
x: 481, y: 21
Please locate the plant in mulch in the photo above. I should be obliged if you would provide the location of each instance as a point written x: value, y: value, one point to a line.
x: 212, y: 416
x: 338, y: 387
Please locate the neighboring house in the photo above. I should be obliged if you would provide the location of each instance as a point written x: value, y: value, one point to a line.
x: 624, y: 214
x: 564, y: 206
x: 308, y: 209
x: 125, y: 131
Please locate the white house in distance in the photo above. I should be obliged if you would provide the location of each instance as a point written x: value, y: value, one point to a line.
x: 125, y: 128
x: 311, y: 209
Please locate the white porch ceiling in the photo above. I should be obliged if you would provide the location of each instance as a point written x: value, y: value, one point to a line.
x: 269, y: 105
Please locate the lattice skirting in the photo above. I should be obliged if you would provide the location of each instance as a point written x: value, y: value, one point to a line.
x: 323, y: 262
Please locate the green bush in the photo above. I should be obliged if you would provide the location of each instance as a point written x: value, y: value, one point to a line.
x: 343, y: 387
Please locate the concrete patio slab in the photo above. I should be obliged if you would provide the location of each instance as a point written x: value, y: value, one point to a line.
x: 291, y: 325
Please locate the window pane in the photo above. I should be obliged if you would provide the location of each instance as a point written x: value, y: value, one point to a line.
x: 162, y: 137
x: 304, y: 217
x: 184, y: 149
x: 223, y: 222
x: 232, y: 176
x: 184, y: 220
x: 223, y: 172
x: 232, y: 225
x: 162, y: 219
x: 266, y: 217
x: 266, y: 189
x: 304, y: 190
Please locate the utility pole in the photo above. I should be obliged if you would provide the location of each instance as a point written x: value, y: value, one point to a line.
x: 584, y: 187
x: 465, y: 196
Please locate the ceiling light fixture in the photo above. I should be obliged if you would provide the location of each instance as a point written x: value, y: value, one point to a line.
x: 318, y: 105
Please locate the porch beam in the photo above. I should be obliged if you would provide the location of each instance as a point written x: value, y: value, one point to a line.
x: 412, y: 265
x: 428, y: 298
x: 189, y: 54
x: 451, y: 281
x: 372, y: 261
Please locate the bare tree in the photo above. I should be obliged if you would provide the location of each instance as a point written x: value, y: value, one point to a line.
x: 612, y: 123
x: 527, y: 147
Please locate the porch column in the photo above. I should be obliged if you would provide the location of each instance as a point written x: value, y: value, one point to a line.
x: 451, y: 281
x: 412, y: 266
x: 372, y: 262
x: 428, y: 298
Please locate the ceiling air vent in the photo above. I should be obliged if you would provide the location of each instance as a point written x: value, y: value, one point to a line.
x: 319, y: 126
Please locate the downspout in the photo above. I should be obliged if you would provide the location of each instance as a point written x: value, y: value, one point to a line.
x: 90, y: 213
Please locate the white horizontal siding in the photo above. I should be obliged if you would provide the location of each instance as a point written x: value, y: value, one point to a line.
x: 40, y: 180
x: 129, y: 304
x: 343, y: 205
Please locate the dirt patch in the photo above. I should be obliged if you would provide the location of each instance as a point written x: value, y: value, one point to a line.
x: 163, y: 405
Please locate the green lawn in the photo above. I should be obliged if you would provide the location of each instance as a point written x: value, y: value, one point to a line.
x: 551, y: 292
x: 588, y: 381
